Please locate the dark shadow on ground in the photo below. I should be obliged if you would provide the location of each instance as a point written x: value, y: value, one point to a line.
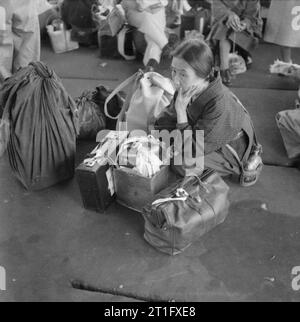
x: 254, y: 252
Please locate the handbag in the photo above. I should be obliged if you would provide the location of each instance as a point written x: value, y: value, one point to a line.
x: 60, y: 38
x: 149, y: 94
x: 114, y: 107
x: 110, y: 23
x: 185, y: 211
x: 244, y: 40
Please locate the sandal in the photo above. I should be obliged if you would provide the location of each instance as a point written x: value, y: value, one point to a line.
x: 226, y: 77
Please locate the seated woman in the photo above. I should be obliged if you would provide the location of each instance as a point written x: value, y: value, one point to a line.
x: 239, y: 22
x: 203, y: 103
x: 149, y: 17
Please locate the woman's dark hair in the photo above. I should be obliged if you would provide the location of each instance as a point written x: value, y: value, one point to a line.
x: 198, y: 55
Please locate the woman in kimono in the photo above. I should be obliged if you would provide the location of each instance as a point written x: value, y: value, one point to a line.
x: 238, y: 22
x: 19, y: 35
x: 203, y: 103
x: 283, y: 26
x: 149, y: 17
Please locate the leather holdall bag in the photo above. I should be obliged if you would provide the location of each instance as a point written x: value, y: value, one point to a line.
x: 185, y: 211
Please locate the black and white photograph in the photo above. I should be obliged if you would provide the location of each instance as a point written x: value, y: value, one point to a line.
x: 149, y: 154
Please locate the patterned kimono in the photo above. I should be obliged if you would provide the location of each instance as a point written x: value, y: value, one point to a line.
x: 221, y: 116
x: 248, y: 11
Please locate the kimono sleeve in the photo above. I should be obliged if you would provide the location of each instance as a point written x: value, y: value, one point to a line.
x: 219, y: 10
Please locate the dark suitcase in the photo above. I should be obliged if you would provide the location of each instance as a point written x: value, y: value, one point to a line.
x: 95, y: 178
x: 96, y: 186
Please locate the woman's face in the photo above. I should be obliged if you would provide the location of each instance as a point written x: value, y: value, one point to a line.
x: 183, y: 75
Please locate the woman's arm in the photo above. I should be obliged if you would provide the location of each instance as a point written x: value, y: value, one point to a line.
x: 224, y: 13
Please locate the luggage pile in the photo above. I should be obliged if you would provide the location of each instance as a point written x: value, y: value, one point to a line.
x: 136, y: 171
x: 177, y: 211
x: 40, y: 124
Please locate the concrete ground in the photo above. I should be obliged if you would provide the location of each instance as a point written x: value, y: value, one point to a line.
x: 55, y: 250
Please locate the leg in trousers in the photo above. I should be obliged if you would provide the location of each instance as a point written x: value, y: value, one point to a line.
x: 153, y: 26
x: 26, y: 33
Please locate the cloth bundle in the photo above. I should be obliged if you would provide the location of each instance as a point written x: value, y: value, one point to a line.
x: 38, y: 127
x: 145, y: 155
x: 237, y: 64
x: 91, y: 117
x: 288, y: 69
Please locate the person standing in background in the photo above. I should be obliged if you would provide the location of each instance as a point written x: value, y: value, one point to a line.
x: 283, y: 26
x: 19, y: 35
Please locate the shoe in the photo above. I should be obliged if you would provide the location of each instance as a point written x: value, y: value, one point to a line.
x: 152, y: 64
x: 249, y: 62
x: 226, y: 77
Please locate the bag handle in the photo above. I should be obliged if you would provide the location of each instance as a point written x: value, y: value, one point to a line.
x: 123, y: 85
x: 246, y: 112
x: 121, y: 44
x: 234, y: 153
x: 181, y: 194
x: 200, y: 179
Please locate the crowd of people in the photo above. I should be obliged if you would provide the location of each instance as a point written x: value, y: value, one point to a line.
x: 201, y: 101
x: 234, y: 25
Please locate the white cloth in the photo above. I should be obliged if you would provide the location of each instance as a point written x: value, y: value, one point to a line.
x: 20, y: 38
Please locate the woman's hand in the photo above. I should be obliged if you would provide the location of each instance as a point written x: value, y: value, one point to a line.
x: 234, y: 22
x: 182, y: 101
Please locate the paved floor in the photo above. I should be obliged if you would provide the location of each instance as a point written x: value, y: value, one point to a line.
x: 55, y: 250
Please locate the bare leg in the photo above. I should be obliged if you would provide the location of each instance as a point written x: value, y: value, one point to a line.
x: 286, y: 54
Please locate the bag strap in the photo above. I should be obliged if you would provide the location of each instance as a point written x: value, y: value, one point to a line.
x: 246, y: 112
x: 121, y: 44
x: 235, y: 155
x: 123, y: 85
x: 181, y: 193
